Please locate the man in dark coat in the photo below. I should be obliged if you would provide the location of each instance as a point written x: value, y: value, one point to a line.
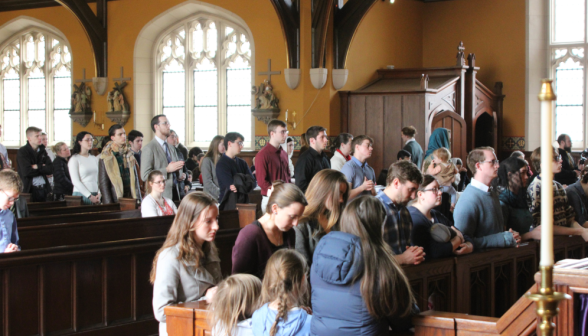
x: 569, y: 171
x: 34, y: 166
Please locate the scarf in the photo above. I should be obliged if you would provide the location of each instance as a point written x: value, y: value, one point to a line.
x: 439, y: 138
x: 347, y: 158
x: 113, y: 170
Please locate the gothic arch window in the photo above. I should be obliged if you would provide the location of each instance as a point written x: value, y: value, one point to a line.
x: 35, y: 86
x: 203, y: 79
x: 567, y: 47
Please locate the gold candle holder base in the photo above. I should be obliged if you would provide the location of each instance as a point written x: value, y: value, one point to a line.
x: 547, y: 302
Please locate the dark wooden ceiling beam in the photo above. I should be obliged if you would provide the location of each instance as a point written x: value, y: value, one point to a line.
x: 12, y: 5
x: 95, y: 28
x: 347, y: 19
x: 321, y: 15
x: 289, y: 14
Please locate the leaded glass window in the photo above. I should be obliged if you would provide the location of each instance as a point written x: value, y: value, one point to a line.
x: 568, y: 63
x: 35, y: 77
x: 205, y: 80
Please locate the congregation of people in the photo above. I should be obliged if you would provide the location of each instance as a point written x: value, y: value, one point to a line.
x: 326, y: 256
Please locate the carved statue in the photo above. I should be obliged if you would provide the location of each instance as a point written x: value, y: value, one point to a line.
x: 116, y: 99
x: 265, y: 98
x: 81, y: 99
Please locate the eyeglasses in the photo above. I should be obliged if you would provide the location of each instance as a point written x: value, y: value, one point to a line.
x: 284, y: 132
x: 11, y: 199
x: 493, y: 162
x: 164, y: 123
x: 557, y: 158
x: 159, y: 182
x: 434, y: 190
x: 240, y: 143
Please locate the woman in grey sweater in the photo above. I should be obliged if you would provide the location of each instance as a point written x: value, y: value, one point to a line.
x: 208, y: 166
x: 326, y: 195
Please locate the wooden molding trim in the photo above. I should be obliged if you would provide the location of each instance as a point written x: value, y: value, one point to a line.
x: 289, y: 15
x: 12, y: 5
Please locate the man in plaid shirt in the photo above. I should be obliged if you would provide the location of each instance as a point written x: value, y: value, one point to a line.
x: 402, y: 183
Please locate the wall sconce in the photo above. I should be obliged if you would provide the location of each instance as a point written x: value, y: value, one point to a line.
x: 101, y: 126
x: 292, y: 123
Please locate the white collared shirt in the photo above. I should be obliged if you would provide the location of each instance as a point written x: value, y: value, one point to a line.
x: 479, y: 185
x: 409, y: 140
x: 161, y: 143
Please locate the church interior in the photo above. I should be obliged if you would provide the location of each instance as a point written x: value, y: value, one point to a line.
x: 216, y: 66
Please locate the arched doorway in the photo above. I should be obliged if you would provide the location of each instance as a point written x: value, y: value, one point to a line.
x: 485, y: 131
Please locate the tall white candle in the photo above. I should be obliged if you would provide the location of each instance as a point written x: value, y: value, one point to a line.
x: 547, y: 97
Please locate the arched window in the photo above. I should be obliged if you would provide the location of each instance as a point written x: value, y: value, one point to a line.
x: 35, y: 76
x: 203, y: 84
x: 568, y: 44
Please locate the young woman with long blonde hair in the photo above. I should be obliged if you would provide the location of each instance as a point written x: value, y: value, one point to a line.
x: 187, y: 267
x: 285, y: 294
x: 358, y: 287
x: 237, y: 297
x: 327, y: 195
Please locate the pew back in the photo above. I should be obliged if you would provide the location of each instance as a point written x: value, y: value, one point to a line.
x: 74, y: 210
x: 76, y: 218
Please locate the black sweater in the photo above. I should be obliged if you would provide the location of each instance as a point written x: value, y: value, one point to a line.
x: 26, y: 157
x: 61, y: 179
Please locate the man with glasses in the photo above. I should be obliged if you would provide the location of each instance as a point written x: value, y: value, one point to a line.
x: 359, y: 174
x: 158, y: 155
x: 478, y: 213
x: 230, y: 165
x: 402, y: 183
x: 569, y: 170
x: 271, y: 162
x: 10, y: 186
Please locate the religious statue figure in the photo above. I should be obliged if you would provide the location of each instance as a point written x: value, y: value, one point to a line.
x: 81, y: 99
x: 265, y: 98
x: 116, y: 99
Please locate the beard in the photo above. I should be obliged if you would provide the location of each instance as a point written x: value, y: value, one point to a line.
x: 568, y: 149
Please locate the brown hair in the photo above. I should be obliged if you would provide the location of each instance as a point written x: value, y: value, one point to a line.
x: 193, y: 206
x: 427, y: 179
x: 32, y: 130
x: 10, y: 181
x: 303, y: 141
x: 275, y: 123
x: 313, y: 131
x: 213, y: 153
x: 236, y: 299
x: 404, y: 171
x: 536, y: 158
x: 284, y: 194
x: 477, y: 155
x: 150, y: 179
x: 384, y: 286
x: 285, y: 281
x: 358, y: 141
x: 409, y: 131
x: 325, y: 187
x: 57, y: 147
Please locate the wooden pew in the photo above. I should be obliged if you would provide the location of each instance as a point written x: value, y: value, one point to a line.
x: 76, y: 218
x: 92, y: 289
x: 73, y: 200
x: 75, y: 210
x: 36, y: 206
x: 247, y: 213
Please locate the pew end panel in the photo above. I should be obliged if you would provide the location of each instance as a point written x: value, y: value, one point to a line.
x: 128, y: 203
x: 73, y: 200
x: 247, y: 213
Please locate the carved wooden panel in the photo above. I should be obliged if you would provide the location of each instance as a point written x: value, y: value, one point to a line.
x: 456, y: 124
x: 480, y: 291
x: 503, y: 287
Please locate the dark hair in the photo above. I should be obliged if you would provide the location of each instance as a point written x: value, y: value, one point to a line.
x: 303, y: 140
x: 404, y: 171
x: 508, y: 176
x: 518, y: 154
x: 536, y: 158
x: 155, y: 121
x: 358, y: 141
x: 427, y: 179
x: 232, y: 137
x: 289, y: 139
x: 562, y: 137
x: 134, y: 134
x: 77, y: 148
x: 409, y: 131
x: 273, y: 124
x: 112, y: 130
x: 341, y: 139
x: 194, y: 151
x: 402, y: 154
x: 313, y: 131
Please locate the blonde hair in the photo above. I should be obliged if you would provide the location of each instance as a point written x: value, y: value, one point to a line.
x: 150, y: 179
x: 285, y: 281
x: 284, y: 194
x: 57, y: 147
x: 193, y: 206
x: 10, y: 181
x: 325, y: 187
x: 442, y: 154
x: 236, y: 299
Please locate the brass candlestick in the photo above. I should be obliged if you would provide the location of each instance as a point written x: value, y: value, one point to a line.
x: 547, y: 302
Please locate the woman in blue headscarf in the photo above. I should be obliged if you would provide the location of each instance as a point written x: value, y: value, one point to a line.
x: 438, y: 139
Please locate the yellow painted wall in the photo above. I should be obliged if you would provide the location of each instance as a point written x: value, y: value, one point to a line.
x: 407, y: 33
x: 495, y: 31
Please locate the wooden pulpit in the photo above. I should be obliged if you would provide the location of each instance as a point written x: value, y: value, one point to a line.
x: 190, y: 318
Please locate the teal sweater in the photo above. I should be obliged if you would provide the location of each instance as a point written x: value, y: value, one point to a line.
x: 478, y: 214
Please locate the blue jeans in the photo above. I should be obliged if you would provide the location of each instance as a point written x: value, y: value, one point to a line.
x: 85, y: 200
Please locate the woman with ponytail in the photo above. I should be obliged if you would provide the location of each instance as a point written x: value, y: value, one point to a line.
x: 358, y: 287
x: 285, y: 293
